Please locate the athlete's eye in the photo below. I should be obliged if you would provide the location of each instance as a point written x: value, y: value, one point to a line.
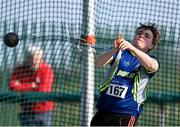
x: 139, y: 33
x: 147, y: 35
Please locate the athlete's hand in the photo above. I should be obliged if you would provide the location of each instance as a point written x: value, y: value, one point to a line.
x: 125, y: 45
x: 121, y: 44
x: 117, y: 42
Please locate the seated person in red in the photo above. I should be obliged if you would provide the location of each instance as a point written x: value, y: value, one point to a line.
x: 34, y: 75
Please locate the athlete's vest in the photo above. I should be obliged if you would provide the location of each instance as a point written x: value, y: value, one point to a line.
x: 115, y: 70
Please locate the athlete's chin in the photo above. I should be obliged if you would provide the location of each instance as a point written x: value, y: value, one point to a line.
x: 138, y: 46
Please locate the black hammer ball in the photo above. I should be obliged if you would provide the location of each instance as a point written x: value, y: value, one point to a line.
x: 11, y: 39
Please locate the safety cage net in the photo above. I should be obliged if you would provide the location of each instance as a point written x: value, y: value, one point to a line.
x: 66, y: 86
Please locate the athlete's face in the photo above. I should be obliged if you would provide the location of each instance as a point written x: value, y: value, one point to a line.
x: 143, y: 40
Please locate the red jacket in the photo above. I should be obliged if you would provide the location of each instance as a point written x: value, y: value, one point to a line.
x: 43, y: 78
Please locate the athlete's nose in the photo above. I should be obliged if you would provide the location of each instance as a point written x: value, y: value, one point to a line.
x: 141, y: 35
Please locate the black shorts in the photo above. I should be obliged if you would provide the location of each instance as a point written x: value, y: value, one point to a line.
x: 102, y: 118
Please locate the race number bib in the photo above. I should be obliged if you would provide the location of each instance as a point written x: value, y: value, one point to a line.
x: 117, y: 90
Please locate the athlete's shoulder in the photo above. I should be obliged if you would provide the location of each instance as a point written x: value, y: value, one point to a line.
x: 151, y: 74
x: 152, y: 56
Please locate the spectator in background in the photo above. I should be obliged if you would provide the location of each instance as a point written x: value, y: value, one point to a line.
x: 123, y: 92
x: 34, y: 75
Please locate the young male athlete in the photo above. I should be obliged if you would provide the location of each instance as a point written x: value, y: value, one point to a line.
x: 123, y: 92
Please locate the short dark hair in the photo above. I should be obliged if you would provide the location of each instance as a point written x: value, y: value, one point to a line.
x: 153, y: 28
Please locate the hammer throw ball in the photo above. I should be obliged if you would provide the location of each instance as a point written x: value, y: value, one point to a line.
x: 11, y: 39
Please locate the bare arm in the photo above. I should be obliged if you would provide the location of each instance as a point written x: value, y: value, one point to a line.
x: 105, y: 58
x: 149, y: 63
